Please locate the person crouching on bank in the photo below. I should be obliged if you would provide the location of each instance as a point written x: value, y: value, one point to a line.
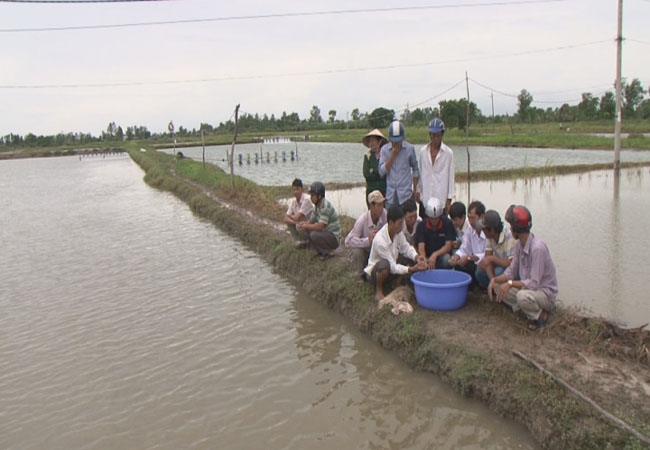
x: 388, y: 245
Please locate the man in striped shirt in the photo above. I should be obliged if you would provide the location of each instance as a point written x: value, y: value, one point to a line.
x: 324, y: 227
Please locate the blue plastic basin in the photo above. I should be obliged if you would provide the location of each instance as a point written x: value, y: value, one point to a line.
x: 441, y: 290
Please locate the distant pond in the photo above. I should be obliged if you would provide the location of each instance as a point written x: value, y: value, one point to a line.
x: 342, y: 162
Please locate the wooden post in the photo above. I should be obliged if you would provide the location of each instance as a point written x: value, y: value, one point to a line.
x: 203, y: 144
x: 469, y: 173
x: 492, y: 96
x: 232, y: 149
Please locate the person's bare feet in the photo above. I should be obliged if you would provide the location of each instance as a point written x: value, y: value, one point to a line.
x: 379, y: 295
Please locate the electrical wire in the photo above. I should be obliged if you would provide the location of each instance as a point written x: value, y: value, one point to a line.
x: 274, y: 15
x: 81, y: 1
x: 291, y: 74
x: 505, y: 94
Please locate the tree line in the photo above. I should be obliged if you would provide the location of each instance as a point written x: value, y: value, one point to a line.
x: 453, y: 112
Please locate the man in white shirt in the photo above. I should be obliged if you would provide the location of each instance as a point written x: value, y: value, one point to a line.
x: 499, y: 249
x: 436, y: 169
x: 458, y: 216
x: 388, y: 244
x: 411, y: 221
x: 472, y: 249
x: 360, y: 238
x: 300, y: 209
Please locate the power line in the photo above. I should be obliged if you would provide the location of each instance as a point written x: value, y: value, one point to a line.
x: 272, y: 16
x: 81, y: 1
x: 505, y: 94
x: 637, y: 41
x: 290, y: 74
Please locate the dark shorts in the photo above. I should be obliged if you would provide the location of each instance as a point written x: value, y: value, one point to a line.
x: 381, y: 265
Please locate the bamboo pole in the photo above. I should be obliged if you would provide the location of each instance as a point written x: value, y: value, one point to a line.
x: 203, y: 144
x: 232, y: 149
x: 586, y: 399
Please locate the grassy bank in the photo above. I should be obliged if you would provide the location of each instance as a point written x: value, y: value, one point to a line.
x: 436, y: 342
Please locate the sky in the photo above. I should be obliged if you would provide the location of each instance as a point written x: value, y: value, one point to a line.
x: 96, y: 67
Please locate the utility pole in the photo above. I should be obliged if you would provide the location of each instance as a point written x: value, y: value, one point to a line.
x: 492, y: 96
x: 617, y: 126
x: 170, y: 127
x: 469, y: 173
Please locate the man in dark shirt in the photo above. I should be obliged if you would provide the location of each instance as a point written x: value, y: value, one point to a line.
x: 435, y: 235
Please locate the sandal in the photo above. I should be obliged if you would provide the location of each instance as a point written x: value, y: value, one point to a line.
x: 539, y: 323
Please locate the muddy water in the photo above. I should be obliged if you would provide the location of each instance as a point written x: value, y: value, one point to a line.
x: 596, y: 238
x: 126, y: 322
x: 343, y: 162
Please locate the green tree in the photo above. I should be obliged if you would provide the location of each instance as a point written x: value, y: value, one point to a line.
x: 643, y: 111
x: 454, y: 113
x: 567, y: 113
x: 332, y: 115
x: 632, y: 97
x: 525, y: 99
x: 355, y: 114
x: 314, y: 115
x: 588, y: 107
x: 406, y: 117
x: 381, y: 117
x: 607, y: 105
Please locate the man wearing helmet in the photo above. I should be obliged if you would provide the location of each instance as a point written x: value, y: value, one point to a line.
x: 436, y: 169
x: 530, y: 282
x: 435, y: 236
x: 324, y: 227
x: 399, y: 164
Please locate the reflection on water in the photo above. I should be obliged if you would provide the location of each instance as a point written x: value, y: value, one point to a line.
x: 343, y: 162
x: 129, y: 323
x: 596, y: 238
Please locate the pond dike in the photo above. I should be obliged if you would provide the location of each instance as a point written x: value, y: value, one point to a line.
x: 471, y: 349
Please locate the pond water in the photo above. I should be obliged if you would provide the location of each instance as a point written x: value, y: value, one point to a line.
x: 596, y: 238
x: 343, y: 162
x: 127, y: 322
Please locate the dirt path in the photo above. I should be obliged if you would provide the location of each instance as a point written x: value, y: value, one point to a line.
x: 609, y: 365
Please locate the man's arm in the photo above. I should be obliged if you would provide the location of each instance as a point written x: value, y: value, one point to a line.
x: 355, y: 238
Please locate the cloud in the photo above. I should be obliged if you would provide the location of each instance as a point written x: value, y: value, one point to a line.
x: 290, y: 64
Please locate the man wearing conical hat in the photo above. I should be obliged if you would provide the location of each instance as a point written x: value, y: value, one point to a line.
x: 374, y: 180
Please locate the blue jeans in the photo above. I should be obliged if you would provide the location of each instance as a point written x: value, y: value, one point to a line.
x: 482, y: 276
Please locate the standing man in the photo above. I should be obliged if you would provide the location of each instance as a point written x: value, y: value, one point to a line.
x: 324, y: 228
x: 499, y: 249
x: 530, y: 282
x: 360, y: 238
x: 374, y: 180
x: 300, y: 209
x: 436, y: 169
x: 388, y: 245
x: 399, y: 164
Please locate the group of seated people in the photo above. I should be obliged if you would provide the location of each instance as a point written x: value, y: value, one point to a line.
x: 389, y: 244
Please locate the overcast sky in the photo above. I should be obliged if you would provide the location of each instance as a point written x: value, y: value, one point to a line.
x: 82, y: 79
